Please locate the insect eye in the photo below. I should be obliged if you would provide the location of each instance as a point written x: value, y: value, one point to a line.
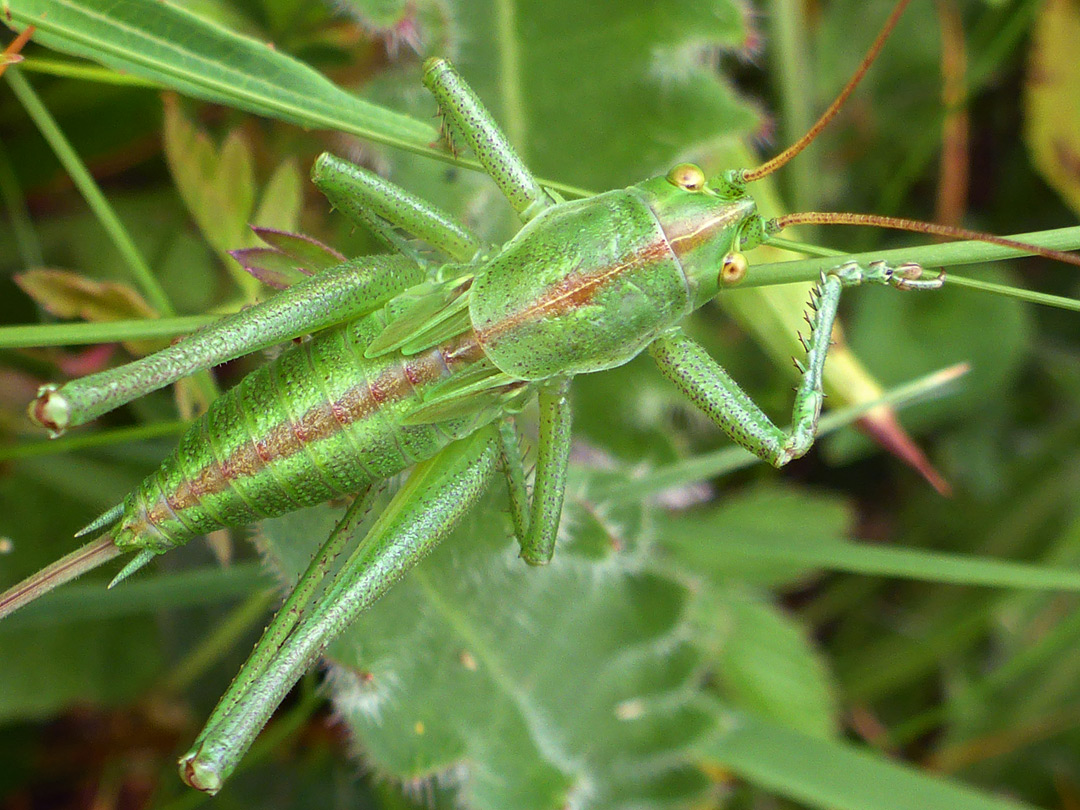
x: 687, y: 176
x: 733, y: 269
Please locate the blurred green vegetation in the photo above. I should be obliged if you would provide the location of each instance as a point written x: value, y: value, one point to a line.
x: 836, y: 635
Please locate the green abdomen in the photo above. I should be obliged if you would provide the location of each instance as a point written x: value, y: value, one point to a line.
x: 318, y: 422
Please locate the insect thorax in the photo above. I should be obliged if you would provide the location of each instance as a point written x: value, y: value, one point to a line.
x: 583, y: 287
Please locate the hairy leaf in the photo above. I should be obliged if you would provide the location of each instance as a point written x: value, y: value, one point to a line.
x: 528, y: 688
x: 764, y: 660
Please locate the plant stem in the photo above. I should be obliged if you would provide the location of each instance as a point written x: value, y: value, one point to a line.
x: 78, y: 334
x: 84, y: 181
x: 104, y: 438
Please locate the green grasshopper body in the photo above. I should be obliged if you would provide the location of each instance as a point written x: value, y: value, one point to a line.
x: 369, y: 398
x: 416, y: 363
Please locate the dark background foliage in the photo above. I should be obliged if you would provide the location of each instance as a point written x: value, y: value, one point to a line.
x: 718, y: 643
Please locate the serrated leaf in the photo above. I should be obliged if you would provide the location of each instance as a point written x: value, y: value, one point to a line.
x: 70, y: 295
x: 1052, y: 115
x: 529, y: 688
x: 292, y: 257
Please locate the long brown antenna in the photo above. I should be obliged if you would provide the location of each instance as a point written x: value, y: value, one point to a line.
x: 778, y: 161
x: 917, y: 226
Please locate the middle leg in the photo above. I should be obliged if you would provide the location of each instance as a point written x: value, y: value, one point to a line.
x: 536, y: 524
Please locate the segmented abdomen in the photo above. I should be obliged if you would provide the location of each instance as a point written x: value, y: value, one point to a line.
x: 320, y: 421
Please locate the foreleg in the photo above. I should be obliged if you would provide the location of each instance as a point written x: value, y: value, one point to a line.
x: 712, y: 389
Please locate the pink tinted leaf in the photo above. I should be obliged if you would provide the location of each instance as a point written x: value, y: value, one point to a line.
x: 86, y: 361
x: 270, y: 266
x: 310, y: 253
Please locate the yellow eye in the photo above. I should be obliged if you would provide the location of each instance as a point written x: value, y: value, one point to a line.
x: 733, y: 270
x: 687, y: 176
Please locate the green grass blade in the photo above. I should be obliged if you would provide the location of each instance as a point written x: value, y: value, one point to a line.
x: 84, y: 71
x: 726, y: 551
x: 85, y: 601
x: 1026, y: 663
x: 22, y: 228
x: 930, y: 256
x: 87, y: 186
x: 104, y: 438
x: 833, y: 775
x: 1031, y: 296
x: 80, y: 334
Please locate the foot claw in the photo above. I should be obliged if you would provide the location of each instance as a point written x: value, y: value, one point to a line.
x: 912, y: 276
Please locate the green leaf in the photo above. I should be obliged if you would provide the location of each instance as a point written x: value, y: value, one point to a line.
x: 170, y: 45
x: 765, y: 661
x: 775, y: 536
x: 312, y: 254
x: 270, y: 266
x: 282, y: 199
x: 217, y: 185
x: 530, y: 688
x: 1052, y: 118
x: 832, y: 775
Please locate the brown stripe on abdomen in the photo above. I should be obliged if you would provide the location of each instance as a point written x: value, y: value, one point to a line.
x: 317, y: 421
